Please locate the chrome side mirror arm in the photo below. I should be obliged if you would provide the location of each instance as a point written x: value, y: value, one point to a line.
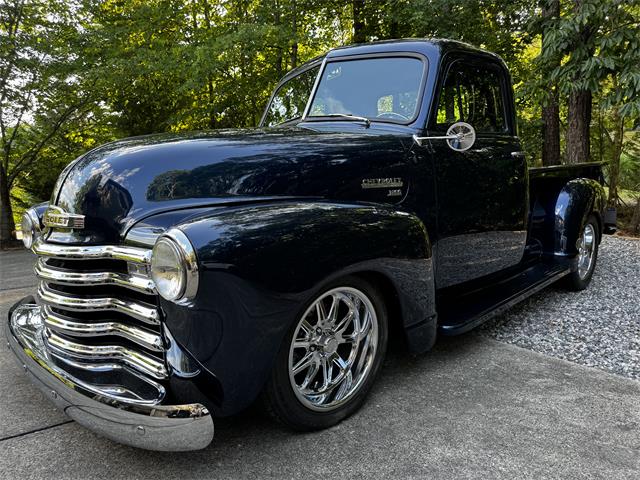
x: 460, y: 137
x: 419, y: 140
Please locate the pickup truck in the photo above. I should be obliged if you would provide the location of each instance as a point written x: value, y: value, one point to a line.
x: 385, y: 194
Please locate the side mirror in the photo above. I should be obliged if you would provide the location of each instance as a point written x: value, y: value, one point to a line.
x: 460, y: 137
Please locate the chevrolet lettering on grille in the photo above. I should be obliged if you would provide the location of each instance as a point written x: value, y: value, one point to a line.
x: 56, y: 217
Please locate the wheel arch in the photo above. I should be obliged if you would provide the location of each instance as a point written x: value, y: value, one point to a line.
x: 598, y: 216
x: 412, y: 326
x: 384, y: 285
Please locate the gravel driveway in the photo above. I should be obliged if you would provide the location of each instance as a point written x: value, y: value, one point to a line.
x: 598, y: 327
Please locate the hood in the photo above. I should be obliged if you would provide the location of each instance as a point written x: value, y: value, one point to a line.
x: 120, y: 183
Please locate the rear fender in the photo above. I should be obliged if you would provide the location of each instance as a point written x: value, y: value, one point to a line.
x: 577, y: 200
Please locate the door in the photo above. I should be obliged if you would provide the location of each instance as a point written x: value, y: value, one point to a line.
x: 482, y: 193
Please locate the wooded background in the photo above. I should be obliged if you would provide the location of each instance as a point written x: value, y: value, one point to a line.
x: 75, y: 74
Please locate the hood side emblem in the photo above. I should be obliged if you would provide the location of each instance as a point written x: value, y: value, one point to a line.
x: 368, y: 183
x: 56, y: 217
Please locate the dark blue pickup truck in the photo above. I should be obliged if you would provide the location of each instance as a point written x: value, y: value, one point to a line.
x: 184, y: 276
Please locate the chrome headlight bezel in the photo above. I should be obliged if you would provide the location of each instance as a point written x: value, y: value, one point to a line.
x: 30, y: 227
x: 185, y: 256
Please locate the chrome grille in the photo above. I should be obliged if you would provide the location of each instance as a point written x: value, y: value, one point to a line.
x: 71, y: 277
x: 140, y: 311
x: 100, y: 307
x: 71, y: 327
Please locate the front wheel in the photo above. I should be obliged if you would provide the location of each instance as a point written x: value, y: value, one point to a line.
x: 330, y: 358
x: 585, y: 261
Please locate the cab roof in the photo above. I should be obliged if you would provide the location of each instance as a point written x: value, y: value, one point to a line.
x: 425, y: 46
x: 429, y: 47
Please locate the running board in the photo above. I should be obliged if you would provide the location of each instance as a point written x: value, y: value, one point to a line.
x: 460, y: 312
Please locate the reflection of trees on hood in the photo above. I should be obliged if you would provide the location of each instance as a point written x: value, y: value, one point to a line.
x: 331, y: 166
x: 226, y: 178
x: 103, y: 197
x: 163, y: 187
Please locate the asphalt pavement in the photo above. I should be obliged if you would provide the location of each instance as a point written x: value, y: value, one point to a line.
x: 473, y: 407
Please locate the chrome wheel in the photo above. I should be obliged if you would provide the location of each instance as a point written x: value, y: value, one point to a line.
x: 586, y: 249
x: 333, y: 348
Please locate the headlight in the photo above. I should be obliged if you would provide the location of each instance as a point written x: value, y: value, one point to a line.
x: 174, y: 268
x: 30, y: 226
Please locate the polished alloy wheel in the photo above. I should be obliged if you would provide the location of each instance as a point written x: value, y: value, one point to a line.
x: 333, y: 348
x: 586, y: 249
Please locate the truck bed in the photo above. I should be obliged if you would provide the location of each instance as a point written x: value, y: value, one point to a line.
x: 565, y: 172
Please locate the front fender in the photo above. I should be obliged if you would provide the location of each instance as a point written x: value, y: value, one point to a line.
x: 259, y: 264
x: 577, y: 200
x: 291, y: 246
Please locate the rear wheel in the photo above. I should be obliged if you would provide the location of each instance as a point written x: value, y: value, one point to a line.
x: 585, y: 261
x: 329, y: 360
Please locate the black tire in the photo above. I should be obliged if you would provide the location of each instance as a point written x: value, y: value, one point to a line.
x: 279, y: 397
x: 579, y: 280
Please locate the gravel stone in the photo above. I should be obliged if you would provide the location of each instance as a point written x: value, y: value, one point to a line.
x: 598, y: 327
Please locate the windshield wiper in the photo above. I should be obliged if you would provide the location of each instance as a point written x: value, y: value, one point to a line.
x: 287, y: 122
x: 346, y: 116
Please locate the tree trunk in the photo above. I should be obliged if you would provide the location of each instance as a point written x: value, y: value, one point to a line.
x: 578, y: 131
x: 7, y: 225
x: 551, y: 131
x: 359, y: 35
x: 293, y: 58
x: 212, y: 122
x: 279, y: 56
x: 635, y: 220
x: 394, y: 28
x: 551, y: 111
x: 616, y: 152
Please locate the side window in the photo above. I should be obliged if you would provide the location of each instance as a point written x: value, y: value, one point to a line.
x: 291, y: 97
x: 473, y: 94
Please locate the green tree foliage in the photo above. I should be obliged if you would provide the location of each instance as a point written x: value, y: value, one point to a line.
x: 629, y: 181
x: 611, y: 49
x: 74, y: 74
x: 593, y: 53
x: 42, y: 89
x: 174, y: 65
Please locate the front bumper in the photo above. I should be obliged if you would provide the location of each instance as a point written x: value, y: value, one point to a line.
x: 152, y: 427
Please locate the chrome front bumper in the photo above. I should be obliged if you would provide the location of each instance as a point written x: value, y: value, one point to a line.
x: 151, y: 426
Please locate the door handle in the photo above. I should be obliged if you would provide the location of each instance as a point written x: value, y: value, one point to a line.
x: 517, y: 154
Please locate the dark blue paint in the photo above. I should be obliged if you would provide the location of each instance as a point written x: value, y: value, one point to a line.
x: 276, y: 213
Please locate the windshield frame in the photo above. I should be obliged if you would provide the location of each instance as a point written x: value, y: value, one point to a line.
x: 399, y: 54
